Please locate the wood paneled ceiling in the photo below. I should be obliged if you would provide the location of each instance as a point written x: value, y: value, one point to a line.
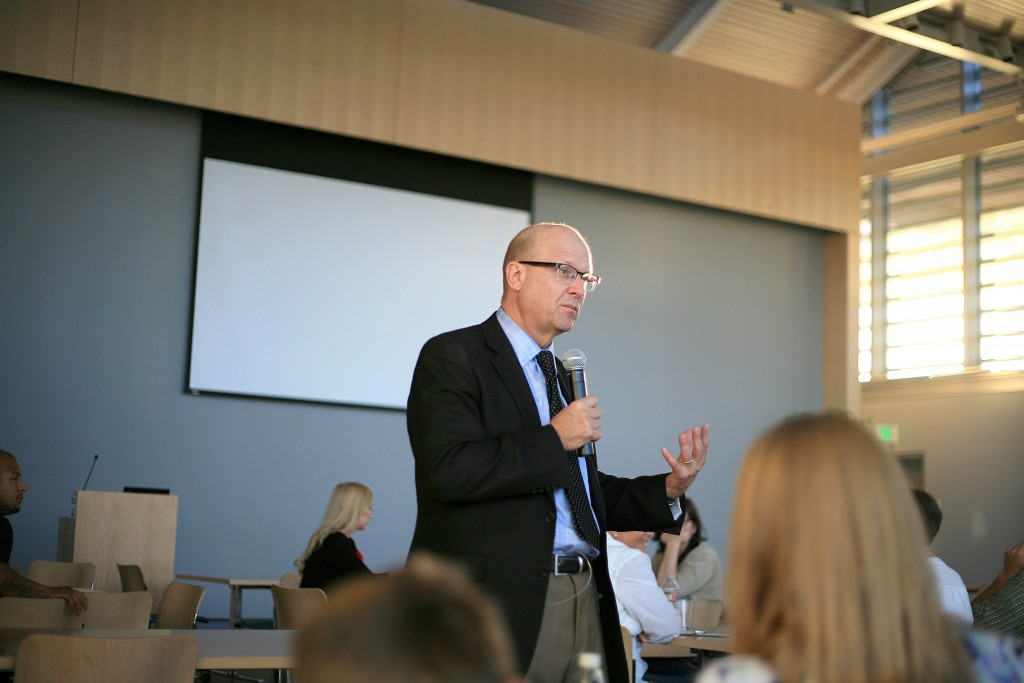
x: 843, y: 48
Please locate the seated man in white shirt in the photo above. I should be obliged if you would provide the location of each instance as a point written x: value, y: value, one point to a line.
x: 643, y: 607
x: 952, y: 591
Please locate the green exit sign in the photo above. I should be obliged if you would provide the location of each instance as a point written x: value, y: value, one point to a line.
x: 888, y: 433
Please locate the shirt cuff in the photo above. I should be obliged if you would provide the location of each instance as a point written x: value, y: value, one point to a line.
x: 675, y: 508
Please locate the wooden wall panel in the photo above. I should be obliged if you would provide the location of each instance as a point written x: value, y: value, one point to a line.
x: 840, y: 279
x: 466, y: 80
x: 37, y: 37
x: 734, y: 142
x: 316, y: 63
x: 507, y: 89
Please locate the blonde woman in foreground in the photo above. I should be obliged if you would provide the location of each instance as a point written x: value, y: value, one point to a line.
x: 828, y: 582
x: 331, y: 554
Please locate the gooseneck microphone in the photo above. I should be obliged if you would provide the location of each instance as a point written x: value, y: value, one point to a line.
x: 574, y: 362
x: 89, y: 476
x: 74, y: 498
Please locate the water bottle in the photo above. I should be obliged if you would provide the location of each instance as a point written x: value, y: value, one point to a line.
x: 588, y: 668
x: 671, y: 589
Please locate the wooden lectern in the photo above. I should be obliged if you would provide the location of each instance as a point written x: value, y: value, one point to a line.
x: 122, y: 528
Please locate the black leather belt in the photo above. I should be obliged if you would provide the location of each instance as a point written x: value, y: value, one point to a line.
x: 569, y: 563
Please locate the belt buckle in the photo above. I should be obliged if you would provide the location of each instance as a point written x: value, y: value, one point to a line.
x: 558, y: 561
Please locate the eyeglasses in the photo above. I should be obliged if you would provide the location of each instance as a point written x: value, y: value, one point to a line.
x: 566, y: 274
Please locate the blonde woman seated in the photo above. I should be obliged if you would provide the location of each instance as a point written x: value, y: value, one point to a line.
x: 331, y: 554
x: 643, y: 607
x: 828, y: 581
x: 691, y: 558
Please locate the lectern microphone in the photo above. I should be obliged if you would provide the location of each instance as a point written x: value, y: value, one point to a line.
x: 89, y: 476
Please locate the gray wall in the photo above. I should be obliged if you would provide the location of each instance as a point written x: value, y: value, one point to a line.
x: 703, y: 316
x: 973, y: 446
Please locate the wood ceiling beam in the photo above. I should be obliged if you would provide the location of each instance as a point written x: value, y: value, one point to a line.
x: 904, y: 10
x: 908, y: 37
x: 990, y: 138
x: 932, y: 130
x: 874, y: 75
x: 690, y: 26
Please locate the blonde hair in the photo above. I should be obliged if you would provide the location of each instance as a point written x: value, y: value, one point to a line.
x: 828, y: 580
x: 427, y: 623
x: 347, y: 503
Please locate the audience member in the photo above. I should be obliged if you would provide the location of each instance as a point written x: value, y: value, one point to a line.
x: 827, y: 580
x: 952, y: 591
x: 1000, y: 605
x: 691, y: 558
x: 12, y: 492
x: 424, y: 624
x: 643, y: 608
x: 331, y: 554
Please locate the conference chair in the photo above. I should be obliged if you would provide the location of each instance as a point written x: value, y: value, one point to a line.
x: 118, y: 610
x: 37, y: 613
x: 74, y: 574
x: 706, y: 614
x: 179, y: 606
x: 627, y: 644
x: 290, y: 580
x: 77, y: 659
x: 131, y: 578
x: 294, y: 606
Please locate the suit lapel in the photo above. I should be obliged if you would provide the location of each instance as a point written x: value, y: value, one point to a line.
x: 506, y: 364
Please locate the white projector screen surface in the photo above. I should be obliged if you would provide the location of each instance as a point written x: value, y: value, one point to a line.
x: 318, y: 289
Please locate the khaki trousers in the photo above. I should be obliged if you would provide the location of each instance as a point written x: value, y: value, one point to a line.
x: 570, y: 624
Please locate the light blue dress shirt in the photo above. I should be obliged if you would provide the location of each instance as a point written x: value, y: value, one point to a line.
x: 526, y: 349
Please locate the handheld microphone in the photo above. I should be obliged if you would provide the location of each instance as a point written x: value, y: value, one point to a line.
x: 574, y: 362
x: 89, y: 476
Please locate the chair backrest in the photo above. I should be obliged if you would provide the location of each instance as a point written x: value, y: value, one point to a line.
x: 74, y: 574
x: 131, y: 578
x: 706, y: 614
x: 627, y: 643
x: 294, y: 606
x: 290, y: 580
x: 78, y: 659
x: 118, y: 610
x: 180, y: 605
x: 37, y: 613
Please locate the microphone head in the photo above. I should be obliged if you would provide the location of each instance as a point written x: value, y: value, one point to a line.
x: 574, y: 360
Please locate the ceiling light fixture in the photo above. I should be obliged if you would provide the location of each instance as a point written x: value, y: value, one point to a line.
x: 956, y: 32
x: 1019, y: 114
x: 1004, y: 48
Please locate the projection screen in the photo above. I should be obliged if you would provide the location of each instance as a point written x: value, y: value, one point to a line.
x: 318, y: 289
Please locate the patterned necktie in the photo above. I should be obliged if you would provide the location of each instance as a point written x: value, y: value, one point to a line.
x: 582, y: 517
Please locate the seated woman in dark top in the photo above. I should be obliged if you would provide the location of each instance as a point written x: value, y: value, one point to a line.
x: 331, y: 554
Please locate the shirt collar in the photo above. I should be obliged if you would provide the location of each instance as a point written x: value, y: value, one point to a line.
x: 526, y: 349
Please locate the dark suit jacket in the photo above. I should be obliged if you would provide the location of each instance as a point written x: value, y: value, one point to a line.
x: 485, y: 473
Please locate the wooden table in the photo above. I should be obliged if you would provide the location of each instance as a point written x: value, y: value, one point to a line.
x: 236, y: 585
x: 715, y: 641
x: 234, y: 649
